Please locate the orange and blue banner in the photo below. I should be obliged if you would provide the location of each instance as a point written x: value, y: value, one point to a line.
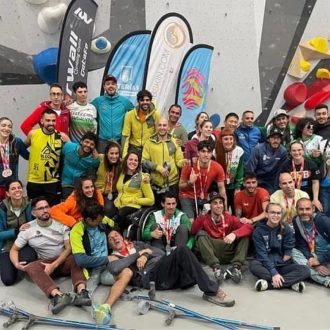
x: 193, y: 83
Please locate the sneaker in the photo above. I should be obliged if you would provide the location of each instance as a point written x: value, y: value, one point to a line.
x: 102, y: 314
x: 82, y: 298
x: 59, y: 302
x: 221, y: 299
x: 220, y: 275
x: 261, y: 285
x: 234, y: 273
x: 299, y: 287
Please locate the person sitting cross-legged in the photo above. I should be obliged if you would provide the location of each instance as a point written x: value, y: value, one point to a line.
x: 222, y: 238
x: 168, y: 227
x: 50, y: 240
x: 273, y: 266
x: 88, y: 240
x: 312, y: 247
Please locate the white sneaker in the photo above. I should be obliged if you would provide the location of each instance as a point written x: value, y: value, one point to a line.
x: 299, y: 287
x: 261, y: 285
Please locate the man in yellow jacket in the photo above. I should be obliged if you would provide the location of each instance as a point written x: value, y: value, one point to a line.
x: 140, y: 123
x: 162, y: 158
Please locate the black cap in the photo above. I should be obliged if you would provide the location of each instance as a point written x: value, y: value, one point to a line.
x: 109, y: 77
x: 274, y: 131
x: 214, y: 195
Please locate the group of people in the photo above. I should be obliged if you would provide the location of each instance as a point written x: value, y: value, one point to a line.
x: 93, y: 168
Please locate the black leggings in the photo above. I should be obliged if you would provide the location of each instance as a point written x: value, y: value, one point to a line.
x: 8, y: 272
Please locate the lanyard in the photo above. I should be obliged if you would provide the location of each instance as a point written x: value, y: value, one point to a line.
x: 203, y: 180
x: 222, y: 224
x: 127, y: 250
x: 298, y: 175
x: 229, y: 156
x: 167, y: 229
x: 4, y: 151
x: 311, y: 238
x: 289, y: 211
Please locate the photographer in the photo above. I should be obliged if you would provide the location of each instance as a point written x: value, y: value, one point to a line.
x: 162, y: 158
x: 169, y: 227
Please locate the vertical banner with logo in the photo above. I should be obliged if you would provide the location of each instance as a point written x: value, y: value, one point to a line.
x: 75, y: 41
x: 193, y: 83
x: 127, y: 63
x: 170, y: 40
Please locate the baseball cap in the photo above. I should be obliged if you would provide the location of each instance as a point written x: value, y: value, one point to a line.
x: 214, y: 195
x: 274, y: 131
x: 109, y: 77
x: 280, y: 112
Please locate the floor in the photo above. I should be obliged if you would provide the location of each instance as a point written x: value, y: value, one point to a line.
x: 285, y: 309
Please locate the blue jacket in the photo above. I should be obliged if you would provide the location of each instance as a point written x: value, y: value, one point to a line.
x: 272, y: 244
x: 247, y: 139
x: 74, y: 166
x: 111, y: 111
x: 322, y: 225
x: 16, y: 149
x: 265, y: 163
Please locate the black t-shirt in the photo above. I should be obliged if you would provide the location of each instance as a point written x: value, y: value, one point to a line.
x: 309, y: 173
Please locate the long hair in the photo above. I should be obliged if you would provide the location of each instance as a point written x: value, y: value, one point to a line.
x: 301, y: 124
x: 124, y: 164
x: 82, y: 200
x: 107, y: 164
x: 220, y: 152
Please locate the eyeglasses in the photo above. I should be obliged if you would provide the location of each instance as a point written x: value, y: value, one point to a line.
x: 275, y: 213
x: 55, y: 94
x: 41, y: 208
x: 310, y: 126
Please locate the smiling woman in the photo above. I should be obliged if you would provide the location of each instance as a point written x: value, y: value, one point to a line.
x: 11, y: 148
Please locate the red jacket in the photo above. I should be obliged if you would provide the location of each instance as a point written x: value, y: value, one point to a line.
x: 62, y: 121
x: 231, y: 224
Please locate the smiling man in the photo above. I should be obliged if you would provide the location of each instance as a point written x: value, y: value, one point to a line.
x: 78, y: 159
x: 175, y: 128
x: 139, y: 124
x: 312, y: 247
x: 321, y: 116
x: 163, y: 158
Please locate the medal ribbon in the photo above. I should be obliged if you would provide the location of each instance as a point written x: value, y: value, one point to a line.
x: 311, y: 239
x: 298, y: 175
x: 167, y: 229
x: 202, y: 181
x: 4, y: 151
x: 229, y: 156
x: 109, y: 181
x: 289, y: 211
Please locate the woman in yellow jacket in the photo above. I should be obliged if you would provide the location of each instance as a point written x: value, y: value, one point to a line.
x: 134, y: 189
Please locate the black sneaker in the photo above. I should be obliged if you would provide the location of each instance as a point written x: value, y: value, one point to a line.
x: 59, y: 302
x: 234, y: 273
x: 82, y: 298
x: 220, y: 275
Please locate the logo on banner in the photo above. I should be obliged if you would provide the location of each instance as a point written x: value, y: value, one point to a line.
x: 83, y: 15
x: 193, y: 89
x: 126, y: 74
x: 174, y: 35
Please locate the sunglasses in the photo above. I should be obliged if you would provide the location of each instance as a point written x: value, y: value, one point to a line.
x: 310, y: 126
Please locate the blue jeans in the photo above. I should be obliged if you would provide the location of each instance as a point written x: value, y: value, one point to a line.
x: 300, y: 259
x: 325, y: 199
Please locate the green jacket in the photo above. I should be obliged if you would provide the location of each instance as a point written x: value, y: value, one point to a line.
x: 155, y: 153
x: 180, y: 217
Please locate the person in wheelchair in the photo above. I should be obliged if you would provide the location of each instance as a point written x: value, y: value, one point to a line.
x: 134, y: 190
x: 169, y: 227
x: 163, y: 158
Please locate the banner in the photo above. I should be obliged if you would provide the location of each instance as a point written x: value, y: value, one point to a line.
x: 170, y: 40
x: 127, y: 63
x: 193, y: 84
x: 75, y: 41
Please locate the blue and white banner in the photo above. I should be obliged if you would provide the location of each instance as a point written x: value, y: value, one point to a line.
x: 170, y: 40
x: 75, y: 42
x: 193, y: 83
x: 127, y: 63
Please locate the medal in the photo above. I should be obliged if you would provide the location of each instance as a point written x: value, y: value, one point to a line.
x: 110, y: 196
x: 7, y: 172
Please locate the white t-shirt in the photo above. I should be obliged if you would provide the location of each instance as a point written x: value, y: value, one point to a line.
x: 48, y: 242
